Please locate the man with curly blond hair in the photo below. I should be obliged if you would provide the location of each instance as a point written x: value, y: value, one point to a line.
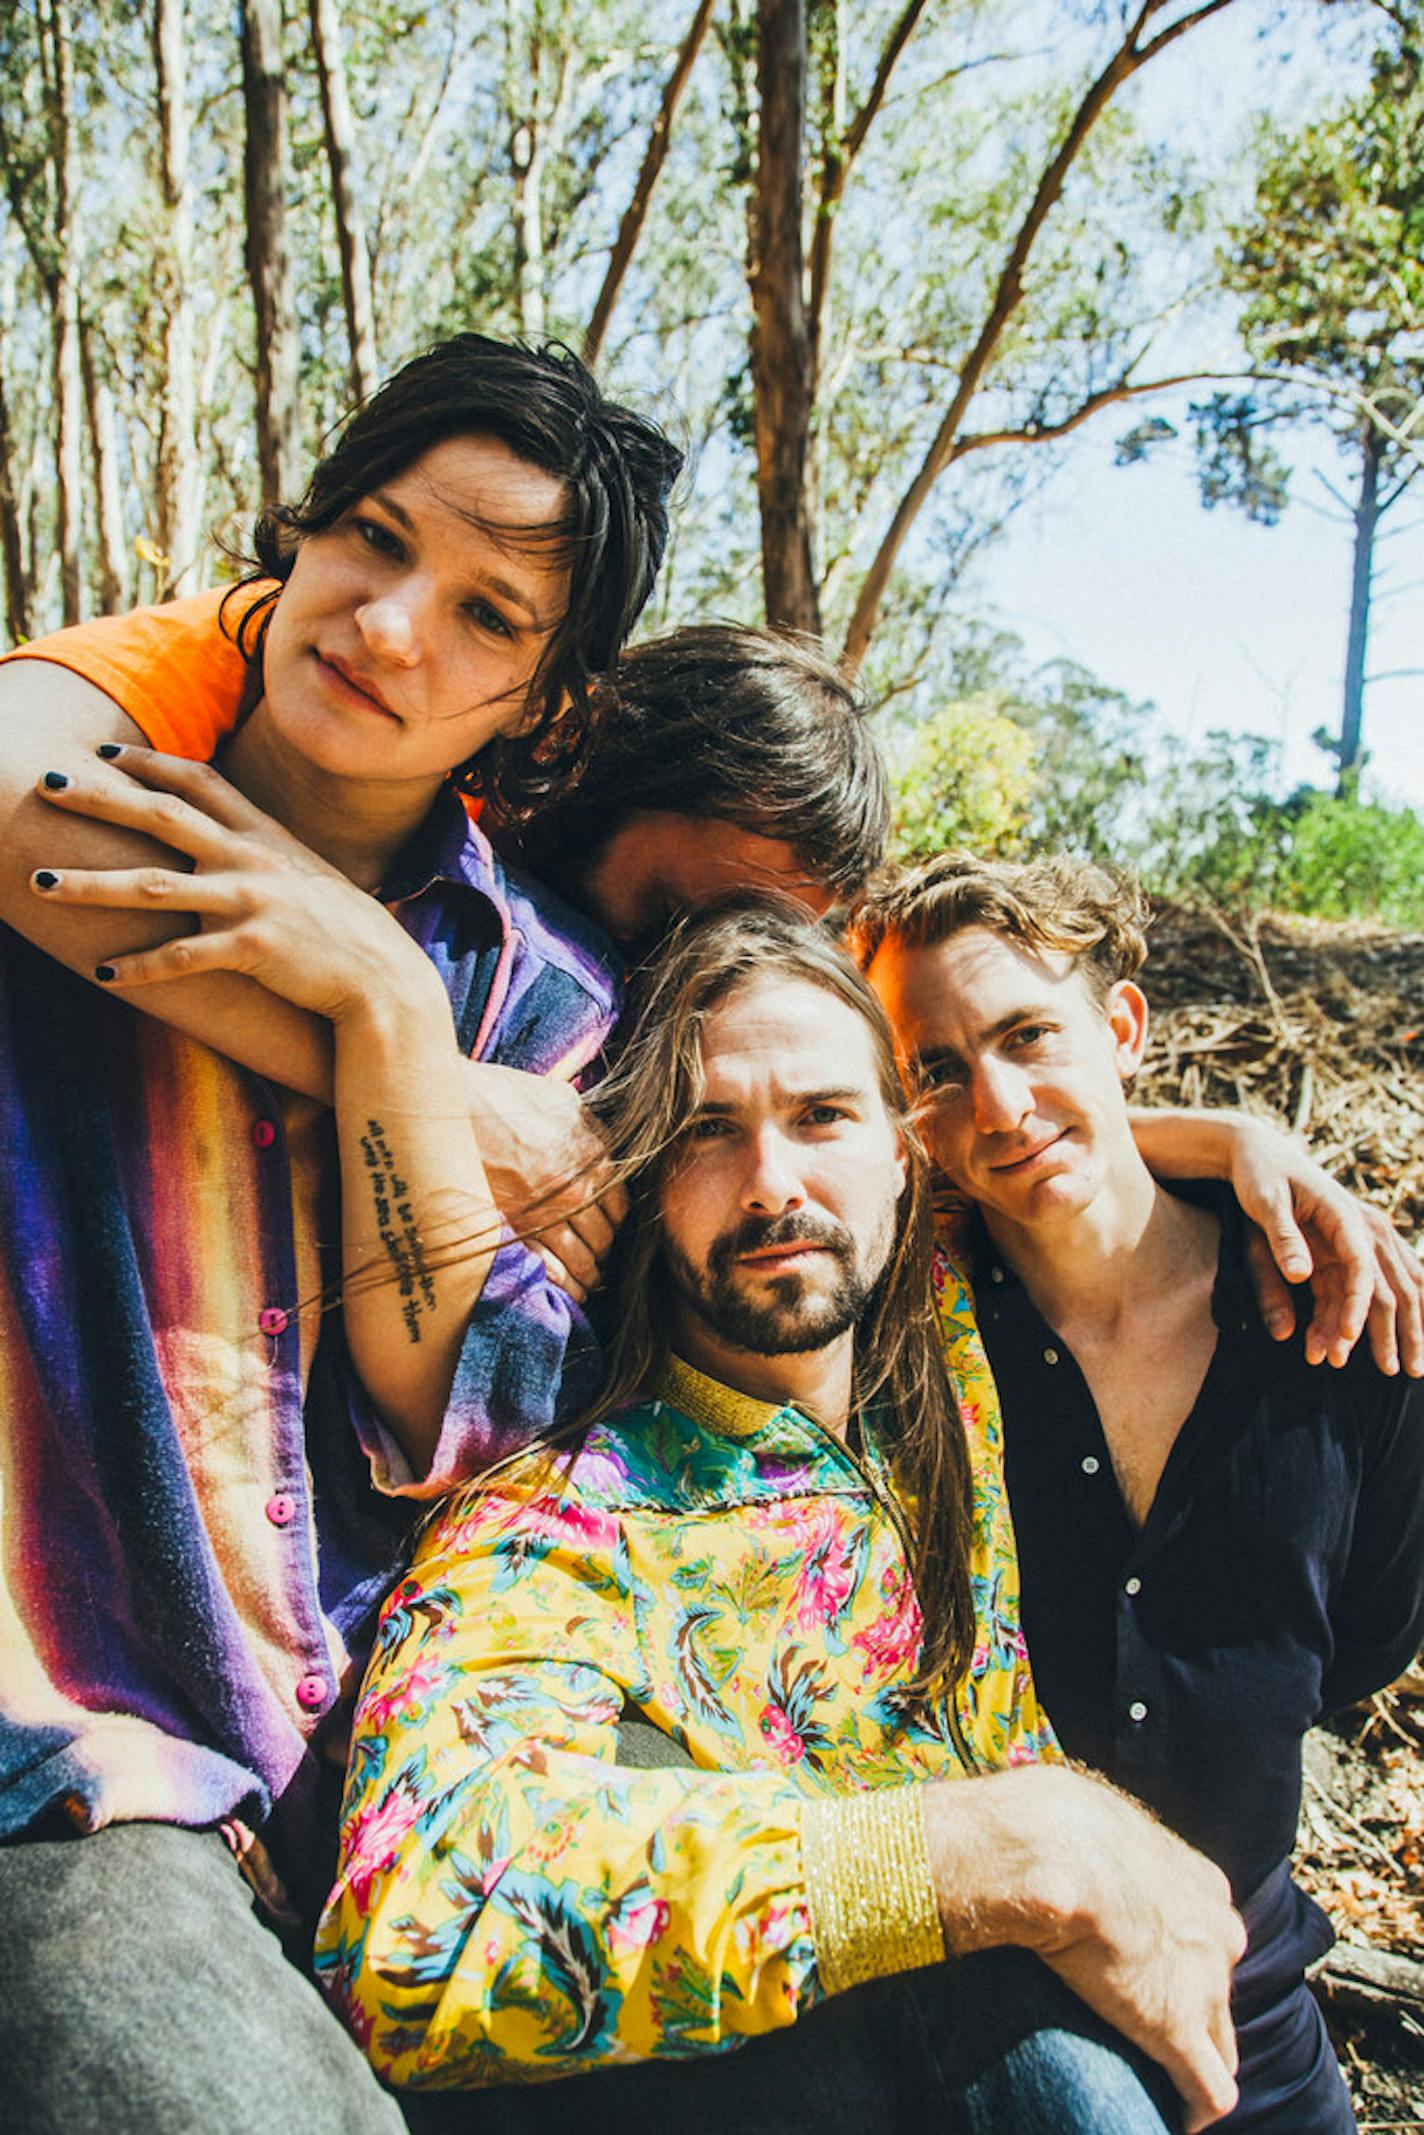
x: 1217, y: 1542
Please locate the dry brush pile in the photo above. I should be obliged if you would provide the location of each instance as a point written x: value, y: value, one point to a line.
x: 1320, y: 1026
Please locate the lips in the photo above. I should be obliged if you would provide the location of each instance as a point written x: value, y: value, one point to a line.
x: 772, y: 1244
x: 778, y: 1255
x: 353, y: 680
x: 1024, y: 1157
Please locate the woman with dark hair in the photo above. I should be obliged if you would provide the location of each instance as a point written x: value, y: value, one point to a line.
x: 207, y: 1474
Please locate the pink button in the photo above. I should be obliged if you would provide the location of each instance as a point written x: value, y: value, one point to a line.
x: 263, y: 1133
x: 272, y: 1319
x: 281, y: 1509
x: 311, y: 1691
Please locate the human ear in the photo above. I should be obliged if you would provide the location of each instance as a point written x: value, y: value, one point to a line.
x: 1127, y: 1016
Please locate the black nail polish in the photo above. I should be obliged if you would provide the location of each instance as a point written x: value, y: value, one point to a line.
x: 110, y: 749
x: 104, y: 972
x: 45, y: 878
x: 55, y: 781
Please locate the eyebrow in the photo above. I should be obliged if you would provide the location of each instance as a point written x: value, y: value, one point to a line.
x: 491, y: 579
x: 841, y: 1094
x: 932, y: 1056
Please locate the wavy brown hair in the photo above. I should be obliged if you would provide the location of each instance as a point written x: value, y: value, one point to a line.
x: 646, y: 1107
x: 1097, y: 915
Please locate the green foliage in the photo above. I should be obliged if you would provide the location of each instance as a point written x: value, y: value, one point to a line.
x: 1345, y: 856
x: 1055, y: 761
x: 966, y: 782
x: 1236, y: 461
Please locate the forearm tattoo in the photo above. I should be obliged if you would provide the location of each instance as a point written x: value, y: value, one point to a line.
x: 396, y: 1227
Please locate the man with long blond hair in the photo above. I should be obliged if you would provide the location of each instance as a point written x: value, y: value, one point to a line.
x: 777, y: 1551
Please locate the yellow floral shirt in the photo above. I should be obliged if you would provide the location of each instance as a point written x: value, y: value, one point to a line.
x: 512, y: 1902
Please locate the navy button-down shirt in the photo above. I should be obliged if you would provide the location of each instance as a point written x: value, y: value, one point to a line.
x: 1279, y: 1572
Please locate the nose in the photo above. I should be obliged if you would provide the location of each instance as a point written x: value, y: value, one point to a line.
x: 1002, y: 1097
x: 772, y: 1183
x: 390, y: 625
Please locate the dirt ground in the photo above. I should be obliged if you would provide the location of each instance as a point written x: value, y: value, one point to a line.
x: 1321, y: 1027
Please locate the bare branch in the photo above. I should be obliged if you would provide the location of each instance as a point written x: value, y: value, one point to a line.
x: 635, y: 214
x: 1125, y: 62
x: 836, y: 166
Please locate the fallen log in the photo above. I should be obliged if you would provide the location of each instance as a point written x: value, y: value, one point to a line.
x: 1375, y: 1982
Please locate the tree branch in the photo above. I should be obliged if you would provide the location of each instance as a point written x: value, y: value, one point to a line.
x: 1126, y: 61
x: 836, y: 166
x: 630, y: 229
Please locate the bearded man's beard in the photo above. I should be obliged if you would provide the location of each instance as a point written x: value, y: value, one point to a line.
x: 793, y: 1312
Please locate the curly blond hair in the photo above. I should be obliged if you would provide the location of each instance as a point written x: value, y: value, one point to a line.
x: 1096, y: 915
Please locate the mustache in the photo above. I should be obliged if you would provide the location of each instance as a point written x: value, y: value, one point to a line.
x: 754, y: 1233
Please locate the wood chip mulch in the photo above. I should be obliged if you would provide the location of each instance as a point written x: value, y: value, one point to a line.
x: 1320, y: 1026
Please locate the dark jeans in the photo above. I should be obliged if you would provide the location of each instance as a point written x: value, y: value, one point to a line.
x: 991, y: 2046
x: 141, y: 1994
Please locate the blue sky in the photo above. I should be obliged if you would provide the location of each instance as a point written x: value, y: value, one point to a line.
x: 1219, y: 622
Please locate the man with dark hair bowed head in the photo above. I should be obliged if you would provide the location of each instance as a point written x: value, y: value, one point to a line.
x: 707, y: 1725
x: 1218, y: 1541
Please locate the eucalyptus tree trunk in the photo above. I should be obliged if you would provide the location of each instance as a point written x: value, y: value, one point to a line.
x: 340, y: 135
x: 57, y: 69
x: 178, y: 498
x: 103, y: 451
x: 1366, y: 517
x: 18, y: 617
x: 19, y: 609
x: 266, y: 173
x: 780, y: 344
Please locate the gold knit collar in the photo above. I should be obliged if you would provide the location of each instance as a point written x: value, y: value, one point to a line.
x: 715, y: 1406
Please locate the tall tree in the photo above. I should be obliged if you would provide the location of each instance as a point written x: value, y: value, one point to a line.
x: 1331, y: 269
x: 780, y: 343
x: 635, y: 215
x: 40, y: 154
x: 112, y: 546
x: 267, y: 180
x: 1144, y: 39
x: 178, y: 484
x: 340, y: 134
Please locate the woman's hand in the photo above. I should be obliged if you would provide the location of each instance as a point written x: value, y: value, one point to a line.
x: 265, y: 906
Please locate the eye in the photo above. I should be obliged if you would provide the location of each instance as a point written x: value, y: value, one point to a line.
x: 1028, y: 1035
x: 825, y: 1115
x: 708, y: 1129
x: 375, y: 535
x: 942, y: 1076
x: 484, y: 617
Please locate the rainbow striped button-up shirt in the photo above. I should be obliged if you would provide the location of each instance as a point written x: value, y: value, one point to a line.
x: 199, y: 1512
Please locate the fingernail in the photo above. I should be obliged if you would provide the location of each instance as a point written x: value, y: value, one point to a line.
x: 45, y: 878
x: 55, y: 781
x: 111, y: 748
x: 104, y: 972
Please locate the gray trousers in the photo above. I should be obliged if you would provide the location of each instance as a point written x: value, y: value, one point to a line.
x: 142, y: 1994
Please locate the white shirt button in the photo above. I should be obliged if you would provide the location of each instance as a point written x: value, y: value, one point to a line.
x: 1132, y: 1586
x: 996, y: 1274
x: 1137, y: 1710
x: 1091, y: 1464
x: 1050, y: 1356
